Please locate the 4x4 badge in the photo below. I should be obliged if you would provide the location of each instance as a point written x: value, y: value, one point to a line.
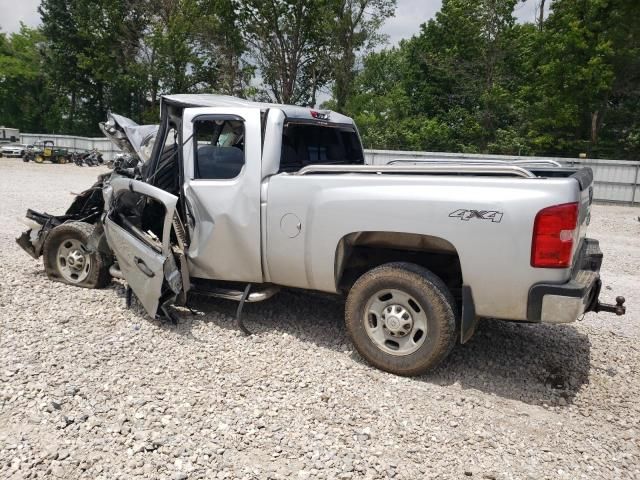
x: 467, y: 215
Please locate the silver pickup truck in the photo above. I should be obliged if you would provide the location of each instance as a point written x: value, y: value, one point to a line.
x: 238, y: 199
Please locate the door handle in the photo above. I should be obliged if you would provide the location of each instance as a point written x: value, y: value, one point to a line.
x: 143, y: 267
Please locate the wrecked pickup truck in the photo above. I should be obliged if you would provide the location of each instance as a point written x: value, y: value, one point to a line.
x: 239, y: 199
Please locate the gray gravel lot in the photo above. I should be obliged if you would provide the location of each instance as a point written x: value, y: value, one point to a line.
x: 91, y: 390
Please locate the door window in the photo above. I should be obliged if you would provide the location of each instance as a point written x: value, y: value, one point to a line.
x: 219, y: 152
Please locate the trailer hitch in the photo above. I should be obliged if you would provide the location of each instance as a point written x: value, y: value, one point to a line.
x: 618, y: 308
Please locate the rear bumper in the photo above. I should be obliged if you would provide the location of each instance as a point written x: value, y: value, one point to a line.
x: 564, y: 303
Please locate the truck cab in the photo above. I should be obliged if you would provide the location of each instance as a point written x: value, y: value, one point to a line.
x: 209, y: 174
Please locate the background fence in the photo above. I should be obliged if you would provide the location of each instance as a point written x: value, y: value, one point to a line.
x: 614, y: 180
x: 74, y: 144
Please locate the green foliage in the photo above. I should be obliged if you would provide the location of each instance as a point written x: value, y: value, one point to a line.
x: 24, y: 96
x: 289, y: 45
x: 588, y: 74
x: 353, y: 30
x: 98, y: 55
x: 474, y: 80
x: 122, y: 55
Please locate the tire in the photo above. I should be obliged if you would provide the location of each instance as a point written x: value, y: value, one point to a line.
x: 25, y: 158
x: 38, y: 159
x: 414, y: 325
x: 66, y: 259
x: 62, y: 160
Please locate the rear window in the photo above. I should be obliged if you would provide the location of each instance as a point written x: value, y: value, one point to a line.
x: 307, y: 144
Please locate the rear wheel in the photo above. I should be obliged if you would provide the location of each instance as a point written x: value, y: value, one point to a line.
x: 62, y: 160
x: 67, y: 259
x: 401, y: 318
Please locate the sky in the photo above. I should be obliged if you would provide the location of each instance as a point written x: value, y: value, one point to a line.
x: 410, y: 14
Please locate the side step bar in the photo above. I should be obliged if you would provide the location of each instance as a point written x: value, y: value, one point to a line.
x: 241, y: 297
x: 219, y: 292
x: 236, y: 295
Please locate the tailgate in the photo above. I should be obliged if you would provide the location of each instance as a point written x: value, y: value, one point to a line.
x: 584, y: 177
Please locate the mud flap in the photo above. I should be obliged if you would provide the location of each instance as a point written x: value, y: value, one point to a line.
x: 469, y: 320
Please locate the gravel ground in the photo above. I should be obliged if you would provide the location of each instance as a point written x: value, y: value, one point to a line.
x: 91, y: 390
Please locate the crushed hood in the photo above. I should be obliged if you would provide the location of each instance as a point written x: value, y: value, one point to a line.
x: 128, y: 136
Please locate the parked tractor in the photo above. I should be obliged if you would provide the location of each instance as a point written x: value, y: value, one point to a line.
x: 47, y: 151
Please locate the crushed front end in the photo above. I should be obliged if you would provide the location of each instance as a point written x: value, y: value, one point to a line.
x: 136, y: 141
x: 86, y: 207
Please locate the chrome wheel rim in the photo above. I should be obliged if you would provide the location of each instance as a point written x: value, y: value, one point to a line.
x: 395, y: 322
x: 73, y: 261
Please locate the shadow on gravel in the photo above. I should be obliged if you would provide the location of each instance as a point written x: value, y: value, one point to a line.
x: 532, y: 363
x: 312, y: 317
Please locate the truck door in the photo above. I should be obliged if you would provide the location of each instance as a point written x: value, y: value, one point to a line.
x: 222, y: 149
x: 138, y: 226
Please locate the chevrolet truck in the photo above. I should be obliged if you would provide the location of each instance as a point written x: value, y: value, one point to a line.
x: 237, y: 199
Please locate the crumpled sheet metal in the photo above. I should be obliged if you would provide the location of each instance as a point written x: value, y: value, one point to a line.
x: 129, y: 136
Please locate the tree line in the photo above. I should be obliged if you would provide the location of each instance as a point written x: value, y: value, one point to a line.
x: 90, y: 56
x: 475, y: 80
x: 472, y: 80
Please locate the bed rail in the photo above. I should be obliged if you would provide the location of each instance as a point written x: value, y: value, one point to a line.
x: 528, y: 163
x: 454, y: 169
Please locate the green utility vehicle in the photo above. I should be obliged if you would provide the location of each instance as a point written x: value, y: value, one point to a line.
x: 47, y: 150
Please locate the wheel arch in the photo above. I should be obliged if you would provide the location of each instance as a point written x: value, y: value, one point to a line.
x: 358, y: 252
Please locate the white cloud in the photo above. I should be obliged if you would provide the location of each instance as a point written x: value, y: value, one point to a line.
x: 410, y: 14
x: 527, y: 11
x: 13, y: 12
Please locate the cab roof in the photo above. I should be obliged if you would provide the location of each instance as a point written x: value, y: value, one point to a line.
x: 290, y: 111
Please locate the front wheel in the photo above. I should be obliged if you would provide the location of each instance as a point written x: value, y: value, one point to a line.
x: 68, y: 260
x: 401, y: 318
x: 38, y: 159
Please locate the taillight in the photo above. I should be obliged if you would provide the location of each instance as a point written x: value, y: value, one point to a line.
x: 553, y: 236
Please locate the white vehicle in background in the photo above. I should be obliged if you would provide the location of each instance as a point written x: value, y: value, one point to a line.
x: 9, y: 135
x: 13, y: 150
